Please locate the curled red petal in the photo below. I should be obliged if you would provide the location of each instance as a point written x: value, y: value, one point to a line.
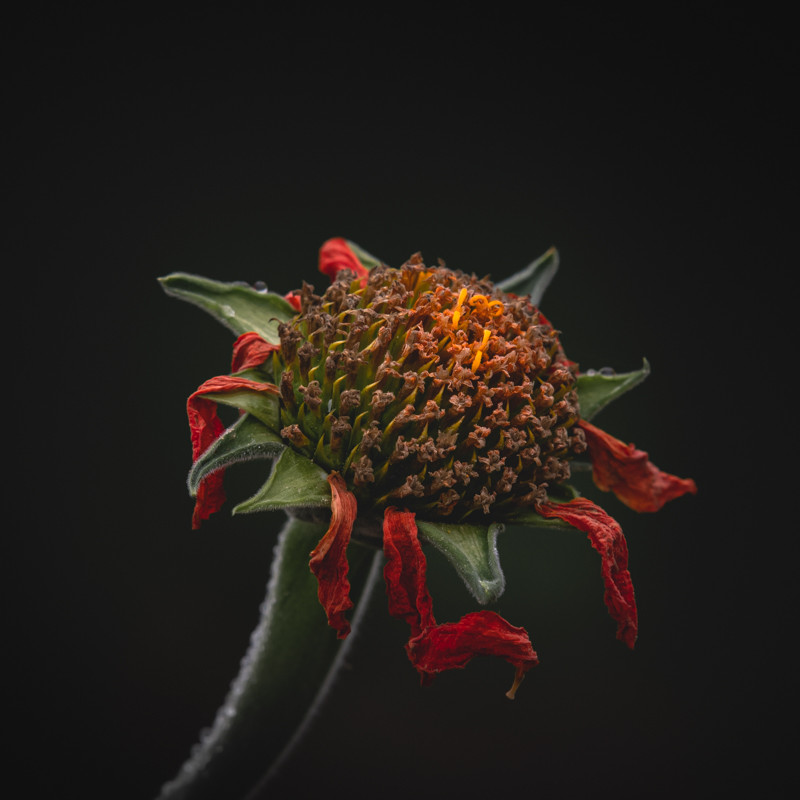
x: 626, y: 471
x: 329, y: 557
x: 336, y: 255
x: 293, y: 298
x: 454, y: 644
x: 434, y: 648
x: 250, y: 351
x: 205, y: 427
x: 606, y: 537
x: 405, y: 570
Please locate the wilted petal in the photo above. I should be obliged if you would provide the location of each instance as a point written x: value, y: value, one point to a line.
x: 250, y: 351
x: 454, y: 644
x: 404, y: 572
x: 205, y: 427
x: 336, y: 255
x: 626, y: 471
x: 329, y: 557
x: 606, y: 537
x: 293, y: 298
x: 434, y: 648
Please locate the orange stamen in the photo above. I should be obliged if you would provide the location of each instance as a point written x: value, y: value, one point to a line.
x: 495, y: 308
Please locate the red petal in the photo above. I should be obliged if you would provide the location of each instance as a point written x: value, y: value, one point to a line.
x: 433, y: 648
x: 329, y: 557
x: 624, y: 470
x: 454, y: 644
x: 404, y: 572
x: 294, y: 301
x: 606, y: 537
x: 249, y: 351
x: 336, y: 255
x: 205, y: 427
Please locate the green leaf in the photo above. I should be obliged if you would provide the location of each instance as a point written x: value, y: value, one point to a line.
x: 596, y: 391
x: 472, y: 550
x: 261, y: 405
x: 246, y: 440
x: 240, y: 308
x: 295, y: 482
x: 368, y: 260
x: 534, y: 279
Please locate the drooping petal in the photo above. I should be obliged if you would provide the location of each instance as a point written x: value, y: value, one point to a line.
x: 405, y: 570
x: 250, y: 350
x: 205, y: 427
x: 483, y: 633
x: 606, y: 537
x: 293, y: 298
x: 336, y: 255
x: 434, y: 648
x: 626, y: 471
x: 329, y: 557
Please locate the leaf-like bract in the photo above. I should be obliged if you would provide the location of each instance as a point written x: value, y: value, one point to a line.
x: 472, y: 550
x: 534, y: 279
x: 596, y: 391
x: 238, y: 307
x: 295, y: 482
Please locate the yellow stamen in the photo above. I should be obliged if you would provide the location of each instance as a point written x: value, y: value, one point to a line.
x: 481, y: 348
x: 457, y: 313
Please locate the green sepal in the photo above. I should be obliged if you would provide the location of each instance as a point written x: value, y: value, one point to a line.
x: 596, y: 391
x: 247, y: 439
x: 367, y: 259
x: 240, y: 308
x: 534, y: 279
x: 260, y: 404
x: 472, y: 550
x: 295, y: 482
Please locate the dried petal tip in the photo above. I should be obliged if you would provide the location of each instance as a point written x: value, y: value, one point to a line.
x: 626, y: 471
x: 518, y: 678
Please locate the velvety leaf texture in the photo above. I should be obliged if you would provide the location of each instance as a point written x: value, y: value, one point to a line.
x: 596, y: 391
x: 248, y: 439
x: 534, y: 279
x: 238, y: 307
x: 472, y: 550
x: 295, y: 482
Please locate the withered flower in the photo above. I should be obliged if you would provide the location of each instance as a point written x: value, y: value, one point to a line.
x: 466, y: 376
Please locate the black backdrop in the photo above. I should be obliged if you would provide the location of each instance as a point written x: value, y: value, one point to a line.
x: 243, y: 179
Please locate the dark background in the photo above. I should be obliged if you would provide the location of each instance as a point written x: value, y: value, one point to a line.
x: 241, y: 175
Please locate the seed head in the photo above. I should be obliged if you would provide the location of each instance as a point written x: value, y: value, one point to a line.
x: 432, y: 386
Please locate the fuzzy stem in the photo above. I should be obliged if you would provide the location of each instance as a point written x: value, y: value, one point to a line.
x: 291, y: 663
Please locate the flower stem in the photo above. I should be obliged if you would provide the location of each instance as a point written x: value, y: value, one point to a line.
x: 292, y: 661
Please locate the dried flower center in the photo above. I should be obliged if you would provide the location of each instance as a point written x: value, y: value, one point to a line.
x: 432, y: 387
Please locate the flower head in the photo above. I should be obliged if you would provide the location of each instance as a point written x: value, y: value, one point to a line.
x: 418, y: 401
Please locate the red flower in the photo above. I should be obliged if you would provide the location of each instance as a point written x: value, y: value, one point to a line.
x: 426, y: 394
